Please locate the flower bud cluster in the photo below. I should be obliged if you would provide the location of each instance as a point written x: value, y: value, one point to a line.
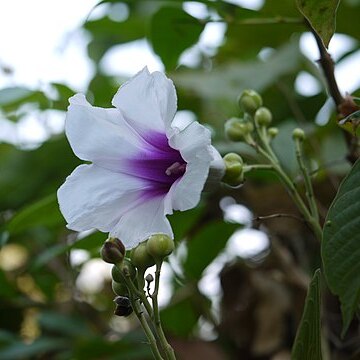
x: 254, y: 115
x: 252, y: 128
x: 152, y: 251
x: 125, y: 270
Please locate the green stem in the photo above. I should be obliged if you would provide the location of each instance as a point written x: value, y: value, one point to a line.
x: 263, y: 21
x: 307, y: 180
x: 258, y: 167
x: 262, y: 133
x: 140, y: 315
x: 313, y: 222
x: 169, y: 351
x: 139, y: 293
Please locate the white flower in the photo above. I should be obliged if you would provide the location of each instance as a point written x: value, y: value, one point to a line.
x: 142, y: 167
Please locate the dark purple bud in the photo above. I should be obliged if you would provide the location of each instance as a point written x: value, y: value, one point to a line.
x: 112, y: 251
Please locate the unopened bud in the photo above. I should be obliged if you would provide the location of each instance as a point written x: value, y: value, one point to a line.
x: 112, y: 251
x: 249, y: 101
x: 119, y: 289
x: 273, y: 131
x: 236, y: 129
x: 298, y: 134
x: 126, y: 268
x: 160, y: 246
x: 141, y: 258
x: 234, y: 166
x: 123, y: 306
x: 149, y: 278
x: 263, y: 116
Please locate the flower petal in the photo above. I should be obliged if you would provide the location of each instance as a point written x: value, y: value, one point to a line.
x: 93, y: 197
x: 147, y: 101
x: 194, y: 145
x: 139, y: 223
x: 100, y: 135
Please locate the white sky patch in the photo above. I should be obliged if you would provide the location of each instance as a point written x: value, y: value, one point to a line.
x: 234, y: 212
x: 210, y: 39
x: 40, y: 44
x: 249, y: 4
x: 165, y: 287
x: 212, y: 36
x: 93, y: 275
x: 78, y: 257
x: 238, y: 213
x: 247, y: 243
x: 119, y: 12
x: 323, y: 116
x: 347, y: 79
x: 33, y: 128
x: 130, y: 58
x: 209, y: 285
x: 347, y: 74
x: 196, y: 9
x: 339, y: 45
x: 307, y: 85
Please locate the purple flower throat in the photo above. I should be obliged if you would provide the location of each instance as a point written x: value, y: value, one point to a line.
x: 159, y: 165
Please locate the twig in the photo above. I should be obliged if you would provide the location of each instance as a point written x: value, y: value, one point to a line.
x: 344, y: 105
x: 169, y: 352
x: 280, y: 215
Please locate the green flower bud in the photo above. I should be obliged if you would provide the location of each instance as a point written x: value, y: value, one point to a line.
x: 298, y: 134
x: 234, y: 169
x: 141, y: 258
x: 126, y: 267
x: 263, y: 116
x: 249, y: 101
x: 273, y: 131
x: 160, y: 246
x: 112, y: 251
x: 119, y: 288
x: 236, y: 129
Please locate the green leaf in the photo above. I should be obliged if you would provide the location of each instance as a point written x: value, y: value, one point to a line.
x: 321, y: 15
x: 206, y: 245
x: 44, y: 212
x: 183, y: 221
x: 107, y: 33
x: 340, y: 245
x: 49, y: 254
x: 233, y: 77
x: 64, y: 93
x: 27, y: 176
x: 68, y: 325
x: 11, y: 98
x: 307, y: 343
x: 180, y: 318
x: 173, y: 31
x: 20, y: 350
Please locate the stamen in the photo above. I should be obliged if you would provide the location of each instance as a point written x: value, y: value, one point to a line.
x: 175, y: 169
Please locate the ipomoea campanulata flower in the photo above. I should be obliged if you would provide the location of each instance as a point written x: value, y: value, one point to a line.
x: 142, y: 166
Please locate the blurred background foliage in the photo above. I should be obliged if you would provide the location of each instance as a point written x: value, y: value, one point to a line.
x: 235, y: 288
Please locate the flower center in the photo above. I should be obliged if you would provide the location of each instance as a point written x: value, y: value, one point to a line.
x: 176, y: 169
x: 158, y: 164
